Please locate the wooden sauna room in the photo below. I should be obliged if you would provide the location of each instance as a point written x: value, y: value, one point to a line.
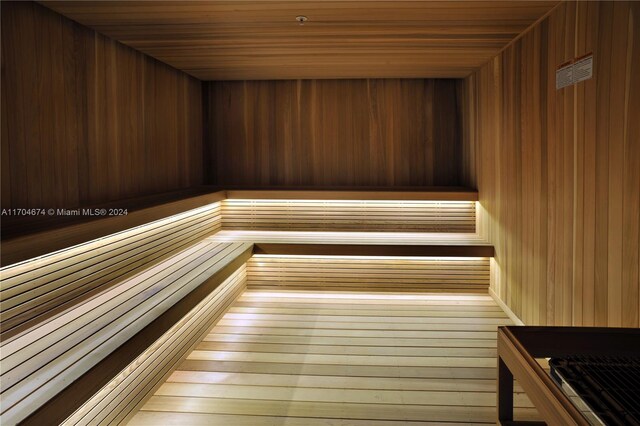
x: 306, y: 213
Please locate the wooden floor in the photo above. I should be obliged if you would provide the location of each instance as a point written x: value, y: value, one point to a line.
x: 340, y: 358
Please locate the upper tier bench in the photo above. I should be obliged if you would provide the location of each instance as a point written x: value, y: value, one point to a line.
x: 348, y: 222
x: 359, y: 211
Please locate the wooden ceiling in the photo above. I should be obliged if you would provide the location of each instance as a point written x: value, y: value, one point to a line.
x: 257, y: 40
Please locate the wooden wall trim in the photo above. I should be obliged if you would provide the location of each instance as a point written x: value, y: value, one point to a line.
x: 505, y: 308
x: 529, y: 28
x: 430, y: 194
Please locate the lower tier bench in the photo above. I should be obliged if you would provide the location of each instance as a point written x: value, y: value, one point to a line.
x: 372, y: 261
x: 362, y: 243
x: 61, y: 366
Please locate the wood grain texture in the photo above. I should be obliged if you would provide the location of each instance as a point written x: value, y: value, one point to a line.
x: 330, y: 273
x: 260, y: 40
x: 358, y: 358
x: 38, y: 289
x: 332, y: 133
x: 558, y: 170
x: 343, y: 215
x: 88, y: 120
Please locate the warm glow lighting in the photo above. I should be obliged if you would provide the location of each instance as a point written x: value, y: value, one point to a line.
x: 361, y: 296
x: 391, y: 203
x: 344, y: 257
x: 92, y: 244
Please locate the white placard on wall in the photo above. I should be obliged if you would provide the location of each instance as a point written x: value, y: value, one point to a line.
x: 574, y: 71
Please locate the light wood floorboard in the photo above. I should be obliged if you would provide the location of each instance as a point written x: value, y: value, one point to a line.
x: 344, y: 358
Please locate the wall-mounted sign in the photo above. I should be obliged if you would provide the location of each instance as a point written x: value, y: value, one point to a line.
x: 574, y: 71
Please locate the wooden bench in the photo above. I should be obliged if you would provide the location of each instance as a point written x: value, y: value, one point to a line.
x: 366, y: 273
x: 362, y: 243
x: 391, y: 211
x: 300, y: 231
x: 50, y: 369
x: 447, y: 262
x: 75, y: 318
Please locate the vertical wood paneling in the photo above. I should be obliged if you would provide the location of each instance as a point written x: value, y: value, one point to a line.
x: 558, y: 170
x: 333, y: 133
x: 87, y: 120
x: 631, y: 192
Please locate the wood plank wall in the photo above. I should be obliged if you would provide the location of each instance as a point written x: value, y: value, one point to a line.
x: 346, y: 215
x: 329, y: 133
x: 357, y: 273
x: 87, y: 120
x: 558, y: 171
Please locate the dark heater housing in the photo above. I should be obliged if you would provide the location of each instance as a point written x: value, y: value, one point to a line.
x: 610, y: 386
